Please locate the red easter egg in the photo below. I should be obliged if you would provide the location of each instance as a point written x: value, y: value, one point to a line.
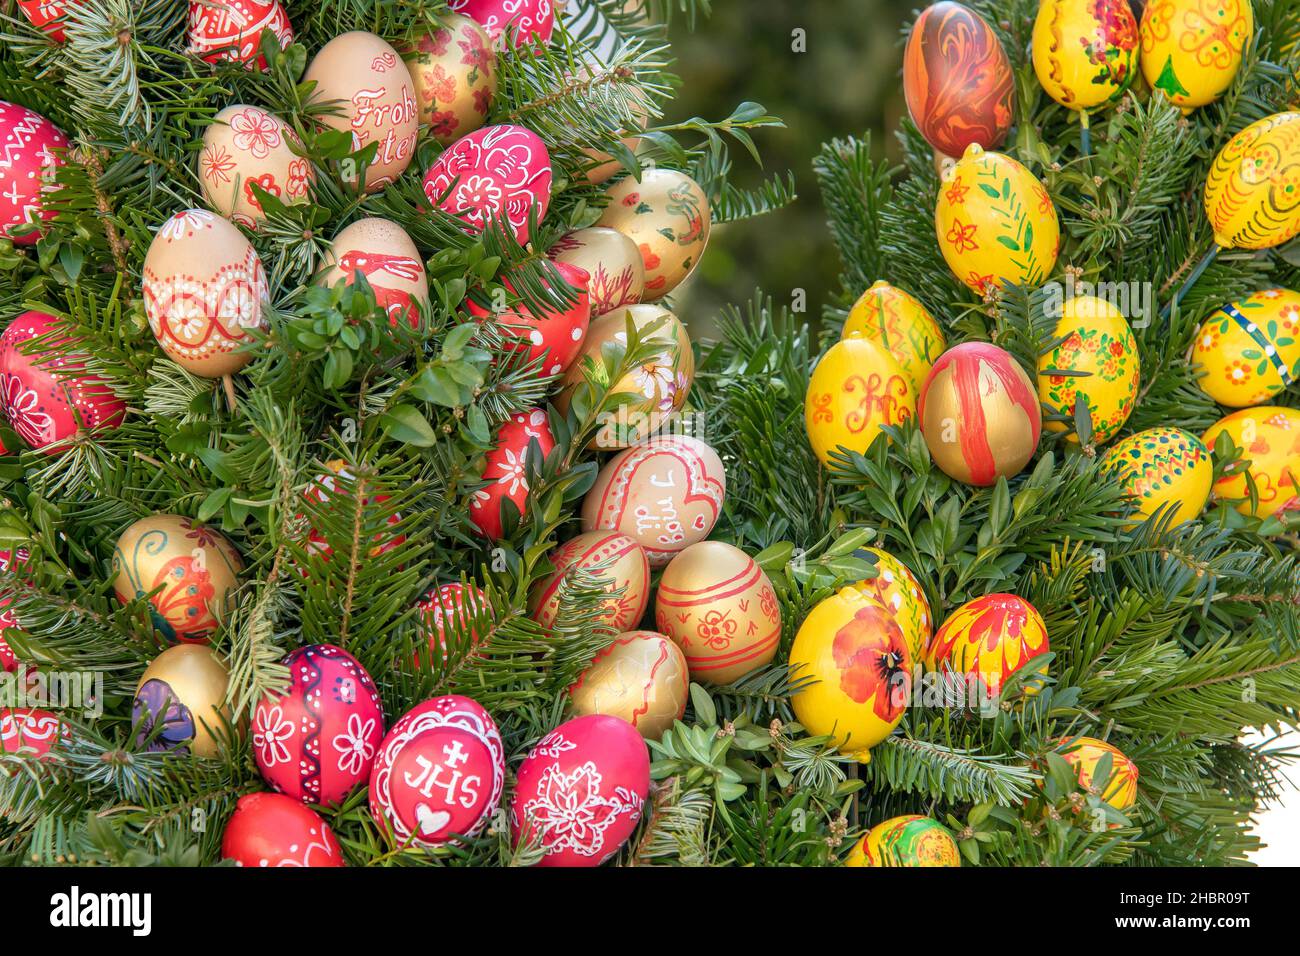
x: 439, y: 772
x: 44, y: 408
x: 556, y: 333
x: 581, y: 789
x: 43, y: 13
x: 625, y: 564
x: 498, y: 172
x: 327, y: 487
x: 957, y: 79
x: 8, y: 660
x: 504, y: 469
x: 268, y: 829
x: 27, y: 730
x: 232, y: 29
x: 30, y: 151
x: 533, y: 20
x: 444, y: 605
x: 317, y: 741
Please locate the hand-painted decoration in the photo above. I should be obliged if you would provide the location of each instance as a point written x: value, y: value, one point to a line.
x: 1096, y: 341
x: 1162, y: 466
x: 231, y: 30
x: 1252, y: 191
x: 446, y: 613
x: 1249, y: 351
x: 8, y: 659
x: 857, y: 388
x: 246, y: 149
x: 268, y: 829
x: 381, y: 250
x: 641, y: 678
x: 988, y: 639
x: 1269, y: 438
x: 454, y: 70
x: 30, y: 731
x: 47, y: 15
x: 339, y: 482
x: 910, y: 840
x: 532, y: 20
x: 618, y: 558
x: 1085, y: 51
x: 31, y: 151
x: 612, y: 262
x: 556, y: 333
x: 897, y: 590
x: 1192, y: 49
x: 1085, y: 753
x: 505, y: 470
x: 667, y: 215
x: 895, y: 320
x: 183, y: 695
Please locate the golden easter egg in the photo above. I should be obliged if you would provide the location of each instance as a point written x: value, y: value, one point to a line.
x: 380, y: 250
x: 367, y: 81
x: 909, y: 840
x: 653, y: 391
x: 641, y: 678
x: 1085, y: 753
x: 894, y: 319
x: 856, y: 653
x: 898, y: 590
x: 607, y: 554
x: 1249, y: 351
x: 1084, y: 51
x: 1096, y: 341
x: 665, y: 494
x: 454, y: 72
x: 184, y: 691
x: 856, y: 388
x: 246, y: 147
x: 995, y: 222
x: 611, y: 259
x: 719, y: 606
x: 667, y: 215
x: 203, y: 287
x: 1269, y: 439
x: 189, y: 569
x: 1191, y: 49
x: 1162, y: 466
x: 1252, y: 191
x: 986, y: 640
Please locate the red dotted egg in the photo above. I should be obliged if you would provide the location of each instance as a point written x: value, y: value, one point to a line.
x: 504, y: 469
x: 232, y: 29
x: 268, y: 829
x: 317, y: 741
x: 444, y: 605
x: 558, y: 333
x: 30, y: 152
x: 533, y: 20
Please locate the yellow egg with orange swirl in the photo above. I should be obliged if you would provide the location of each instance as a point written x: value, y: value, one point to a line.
x: 892, y: 318
x: 856, y: 388
x: 1192, y: 49
x: 1269, y: 438
x: 987, y: 640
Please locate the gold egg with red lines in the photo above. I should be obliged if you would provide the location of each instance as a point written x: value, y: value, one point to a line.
x: 718, y: 605
x: 896, y: 320
x: 383, y: 252
x: 641, y: 677
x: 857, y: 388
x: 618, y: 557
x: 988, y: 639
x: 979, y: 414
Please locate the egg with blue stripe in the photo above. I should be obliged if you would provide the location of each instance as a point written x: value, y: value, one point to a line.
x: 1248, y: 351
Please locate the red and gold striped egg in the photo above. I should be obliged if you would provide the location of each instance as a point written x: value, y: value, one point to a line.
x: 624, y: 563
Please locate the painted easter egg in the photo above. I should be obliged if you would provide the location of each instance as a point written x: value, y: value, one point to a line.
x: 1191, y: 50
x: 316, y: 741
x: 377, y: 101
x: 1249, y: 351
x: 910, y: 840
x: 246, y: 147
x: 497, y: 173
x: 8, y: 659
x: 1162, y: 466
x: 446, y: 615
x: 232, y: 29
x: 895, y: 320
x: 653, y: 391
x: 979, y: 414
x: 33, y: 150
x: 1252, y: 191
x: 856, y: 654
x: 641, y: 677
x: 204, y: 287
x: 191, y: 571
x: 607, y: 554
x: 339, y: 483
x: 957, y: 80
x: 554, y: 334
x: 1084, y: 51
x: 30, y: 731
x: 1085, y: 753
x: 44, y: 396
x: 184, y: 691
x: 593, y: 768
x: 1269, y: 437
x: 454, y: 70
x: 505, y: 472
x: 665, y: 494
x: 616, y: 273
x: 381, y: 250
x: 667, y: 215
x: 857, y: 388
x: 718, y: 605
x: 47, y: 15
x: 896, y: 588
x: 439, y: 773
x: 532, y: 20
x: 995, y: 222
x: 1097, y: 341
x: 988, y: 639
x: 269, y: 829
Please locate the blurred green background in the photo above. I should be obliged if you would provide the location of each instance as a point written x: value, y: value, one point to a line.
x: 847, y: 82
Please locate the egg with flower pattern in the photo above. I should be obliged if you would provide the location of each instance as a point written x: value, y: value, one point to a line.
x: 988, y: 639
x: 898, y: 590
x: 454, y: 70
x: 1162, y: 467
x: 910, y: 840
x: 606, y: 554
x: 667, y: 215
x: 532, y: 20
x: 1096, y: 341
x: 1192, y: 49
x: 1249, y: 351
x: 1084, y: 755
x: 232, y: 29
x: 1084, y: 51
x: 505, y: 471
x: 245, y: 149
x: 1269, y: 439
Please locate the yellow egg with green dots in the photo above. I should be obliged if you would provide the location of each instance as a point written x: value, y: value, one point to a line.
x: 1191, y: 50
x: 1095, y: 340
x: 888, y: 316
x: 1249, y: 351
x: 1162, y: 467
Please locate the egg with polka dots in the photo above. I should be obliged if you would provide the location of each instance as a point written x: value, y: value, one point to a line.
x: 31, y: 149
x: 554, y: 335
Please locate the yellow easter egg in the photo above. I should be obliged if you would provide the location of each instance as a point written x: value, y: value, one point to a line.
x: 1192, y: 49
x: 1252, y: 191
x: 1269, y: 437
x: 1250, y: 350
x: 1162, y: 466
x: 909, y: 840
x: 855, y: 389
x: 987, y: 640
x: 1084, y: 51
x: 857, y: 655
x: 1085, y: 753
x: 1098, y: 342
x: 893, y: 318
x: 667, y: 215
x: 899, y: 592
x: 995, y: 222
